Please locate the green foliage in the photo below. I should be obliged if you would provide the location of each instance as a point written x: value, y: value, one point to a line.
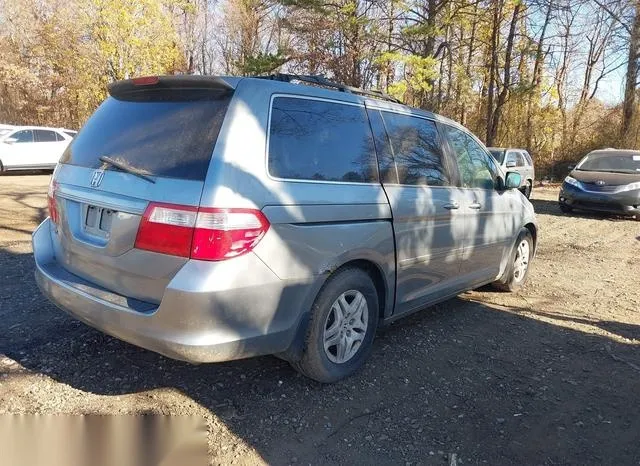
x: 418, y: 75
x: 262, y: 63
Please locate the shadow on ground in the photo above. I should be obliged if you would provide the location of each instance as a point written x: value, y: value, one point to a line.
x: 489, y: 385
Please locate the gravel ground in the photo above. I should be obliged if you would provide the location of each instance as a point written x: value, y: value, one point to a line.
x: 547, y: 376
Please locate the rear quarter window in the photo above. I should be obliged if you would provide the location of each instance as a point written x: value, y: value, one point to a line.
x: 170, y: 135
x: 321, y: 141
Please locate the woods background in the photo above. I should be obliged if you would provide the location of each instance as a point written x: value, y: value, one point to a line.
x: 557, y: 77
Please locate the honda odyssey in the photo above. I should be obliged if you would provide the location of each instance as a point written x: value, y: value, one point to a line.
x: 214, y: 218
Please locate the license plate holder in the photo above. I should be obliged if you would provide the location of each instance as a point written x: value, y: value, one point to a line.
x: 97, y: 220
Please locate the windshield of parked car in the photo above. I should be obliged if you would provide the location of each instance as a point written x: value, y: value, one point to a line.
x: 624, y: 162
x: 498, y: 154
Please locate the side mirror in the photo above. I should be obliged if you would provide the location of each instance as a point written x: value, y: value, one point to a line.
x: 10, y: 141
x: 513, y: 180
x: 511, y: 163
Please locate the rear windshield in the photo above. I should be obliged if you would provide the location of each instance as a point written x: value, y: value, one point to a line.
x: 171, y: 138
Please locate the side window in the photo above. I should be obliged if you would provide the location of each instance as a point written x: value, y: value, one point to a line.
x: 59, y: 137
x: 416, y: 150
x: 527, y: 158
x: 474, y: 164
x: 26, y: 135
x: 512, y: 159
x: 386, y: 164
x: 319, y: 140
x: 43, y: 135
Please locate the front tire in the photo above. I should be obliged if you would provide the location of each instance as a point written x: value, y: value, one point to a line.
x: 343, y: 324
x: 515, y: 276
x: 526, y: 190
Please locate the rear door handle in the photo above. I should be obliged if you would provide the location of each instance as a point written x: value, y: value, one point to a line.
x: 475, y: 206
x: 453, y: 205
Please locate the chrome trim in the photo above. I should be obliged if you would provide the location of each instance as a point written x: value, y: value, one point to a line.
x: 82, y: 195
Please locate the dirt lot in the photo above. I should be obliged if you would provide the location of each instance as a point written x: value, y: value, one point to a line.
x: 548, y: 376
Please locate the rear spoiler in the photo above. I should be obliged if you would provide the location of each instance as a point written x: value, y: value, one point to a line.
x: 129, y: 87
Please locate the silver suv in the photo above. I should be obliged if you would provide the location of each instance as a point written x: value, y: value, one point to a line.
x: 211, y: 219
x: 517, y: 160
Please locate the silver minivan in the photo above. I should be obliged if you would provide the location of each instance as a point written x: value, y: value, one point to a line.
x: 212, y: 218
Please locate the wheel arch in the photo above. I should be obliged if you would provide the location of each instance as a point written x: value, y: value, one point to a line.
x: 385, y: 291
x: 534, y: 233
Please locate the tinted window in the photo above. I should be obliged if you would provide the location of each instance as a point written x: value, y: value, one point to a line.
x: 498, y: 154
x: 416, y: 150
x: 43, y: 135
x: 170, y: 136
x: 474, y: 164
x: 515, y: 158
x: 26, y: 135
x: 70, y: 133
x: 527, y: 158
x: 318, y: 140
x: 386, y: 165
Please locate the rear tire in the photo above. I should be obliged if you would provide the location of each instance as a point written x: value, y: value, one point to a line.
x: 517, y: 271
x: 344, y: 318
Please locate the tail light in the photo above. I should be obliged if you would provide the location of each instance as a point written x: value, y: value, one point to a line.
x: 146, y: 80
x: 51, y: 201
x: 204, y: 233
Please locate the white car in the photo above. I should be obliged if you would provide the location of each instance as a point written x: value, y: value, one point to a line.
x: 32, y: 147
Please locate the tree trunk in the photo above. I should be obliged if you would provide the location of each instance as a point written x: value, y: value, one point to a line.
x: 628, y: 106
x: 493, y: 68
x: 536, y: 79
x: 492, y: 132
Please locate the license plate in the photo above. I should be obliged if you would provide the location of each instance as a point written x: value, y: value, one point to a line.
x: 97, y: 220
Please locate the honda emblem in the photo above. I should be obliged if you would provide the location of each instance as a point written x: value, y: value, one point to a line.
x: 96, y: 178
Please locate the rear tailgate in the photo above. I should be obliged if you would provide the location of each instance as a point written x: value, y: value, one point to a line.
x: 165, y: 129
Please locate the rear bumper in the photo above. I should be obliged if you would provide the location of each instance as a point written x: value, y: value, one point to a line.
x: 211, y: 311
x: 624, y: 203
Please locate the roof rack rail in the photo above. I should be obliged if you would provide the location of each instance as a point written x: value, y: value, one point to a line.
x: 324, y: 82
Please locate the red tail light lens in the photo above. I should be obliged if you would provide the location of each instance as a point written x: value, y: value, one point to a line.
x: 205, y: 234
x: 52, y: 203
x: 167, y: 228
x: 225, y: 233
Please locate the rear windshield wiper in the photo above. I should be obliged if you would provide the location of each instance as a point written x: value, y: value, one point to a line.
x: 121, y: 166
